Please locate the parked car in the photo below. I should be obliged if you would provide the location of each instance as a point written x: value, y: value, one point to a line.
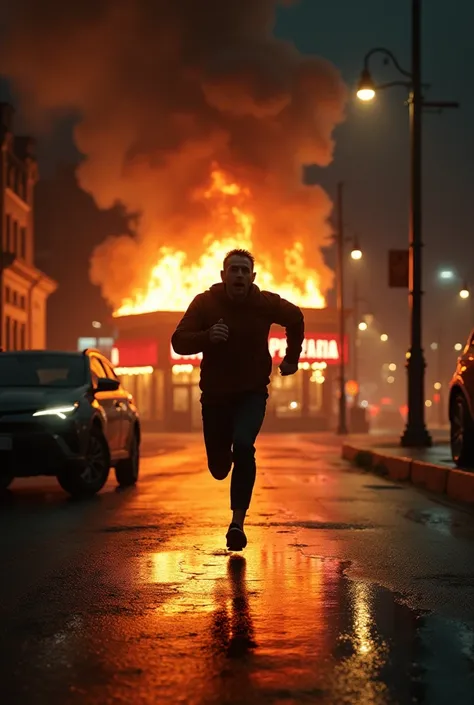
x: 66, y: 415
x: 461, y: 408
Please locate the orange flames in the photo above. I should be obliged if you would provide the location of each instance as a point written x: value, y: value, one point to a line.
x: 174, y: 281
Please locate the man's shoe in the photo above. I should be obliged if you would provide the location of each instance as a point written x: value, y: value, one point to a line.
x: 236, y: 538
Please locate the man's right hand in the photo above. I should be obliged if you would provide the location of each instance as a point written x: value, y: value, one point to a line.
x: 219, y: 333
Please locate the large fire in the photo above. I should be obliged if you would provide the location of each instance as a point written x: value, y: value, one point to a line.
x: 174, y: 281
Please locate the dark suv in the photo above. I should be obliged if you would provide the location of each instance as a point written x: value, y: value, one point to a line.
x: 461, y: 408
x: 67, y: 415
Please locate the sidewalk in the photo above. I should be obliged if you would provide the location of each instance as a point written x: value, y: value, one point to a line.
x: 430, y: 468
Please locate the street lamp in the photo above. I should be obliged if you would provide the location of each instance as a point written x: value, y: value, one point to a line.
x: 464, y: 293
x: 416, y: 433
x: 384, y: 337
x: 363, y: 326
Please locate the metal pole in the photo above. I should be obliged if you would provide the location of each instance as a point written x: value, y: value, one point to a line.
x: 342, y: 422
x: 356, y: 339
x: 440, y: 379
x: 416, y: 433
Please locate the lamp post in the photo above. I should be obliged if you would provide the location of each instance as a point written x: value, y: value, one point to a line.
x: 356, y: 255
x: 342, y: 420
x: 416, y: 433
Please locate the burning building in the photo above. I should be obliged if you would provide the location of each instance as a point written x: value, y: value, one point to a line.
x: 198, y: 120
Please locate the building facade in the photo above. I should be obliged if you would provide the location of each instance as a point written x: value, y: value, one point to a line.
x: 24, y: 289
x: 166, y: 385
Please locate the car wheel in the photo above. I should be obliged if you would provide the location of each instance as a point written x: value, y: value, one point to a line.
x: 126, y: 471
x: 462, y: 434
x: 94, y: 475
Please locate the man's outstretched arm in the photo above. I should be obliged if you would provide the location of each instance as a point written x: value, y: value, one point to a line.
x: 191, y: 336
x: 291, y: 318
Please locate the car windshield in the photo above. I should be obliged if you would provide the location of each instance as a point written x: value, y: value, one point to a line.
x: 42, y: 370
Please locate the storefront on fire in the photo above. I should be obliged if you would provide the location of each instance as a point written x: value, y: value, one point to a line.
x: 166, y: 385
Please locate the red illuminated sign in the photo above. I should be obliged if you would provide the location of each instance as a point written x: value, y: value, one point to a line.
x: 135, y: 353
x: 321, y: 347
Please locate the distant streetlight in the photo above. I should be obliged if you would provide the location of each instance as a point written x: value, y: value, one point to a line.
x: 446, y: 274
x: 434, y: 346
x: 464, y: 293
x: 416, y: 433
x: 96, y: 324
x: 392, y: 367
x: 384, y: 337
x: 437, y: 385
x: 356, y: 253
x: 363, y: 326
x: 366, y: 87
x: 458, y: 347
x: 390, y: 379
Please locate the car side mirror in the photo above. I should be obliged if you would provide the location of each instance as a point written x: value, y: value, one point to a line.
x: 104, y: 384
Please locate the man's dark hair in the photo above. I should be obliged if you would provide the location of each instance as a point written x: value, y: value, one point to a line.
x: 239, y: 253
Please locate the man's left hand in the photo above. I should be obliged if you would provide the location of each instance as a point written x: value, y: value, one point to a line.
x: 288, y: 368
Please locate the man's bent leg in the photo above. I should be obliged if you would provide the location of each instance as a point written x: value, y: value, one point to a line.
x: 248, y: 419
x: 217, y: 426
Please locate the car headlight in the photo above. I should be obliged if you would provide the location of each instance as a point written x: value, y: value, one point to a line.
x: 61, y: 412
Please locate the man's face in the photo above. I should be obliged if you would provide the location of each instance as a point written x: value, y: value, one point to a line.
x: 238, y: 276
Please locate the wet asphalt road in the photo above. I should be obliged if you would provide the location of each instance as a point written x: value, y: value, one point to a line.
x: 351, y: 591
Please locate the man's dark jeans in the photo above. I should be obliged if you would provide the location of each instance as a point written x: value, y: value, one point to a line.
x: 230, y: 430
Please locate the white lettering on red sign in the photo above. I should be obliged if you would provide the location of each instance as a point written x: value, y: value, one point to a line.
x: 313, y: 349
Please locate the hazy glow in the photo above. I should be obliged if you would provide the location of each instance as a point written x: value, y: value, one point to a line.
x: 458, y: 347
x: 392, y: 367
x: 384, y: 337
x: 363, y: 325
x: 356, y: 254
x: 428, y: 403
x: 390, y: 380
x: 464, y: 293
x: 437, y: 385
x: 446, y: 274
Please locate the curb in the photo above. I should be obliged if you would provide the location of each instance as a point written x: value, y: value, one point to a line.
x: 455, y: 484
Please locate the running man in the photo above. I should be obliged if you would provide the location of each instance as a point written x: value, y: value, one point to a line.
x: 230, y: 324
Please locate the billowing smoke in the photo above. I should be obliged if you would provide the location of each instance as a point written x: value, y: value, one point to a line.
x: 162, y: 90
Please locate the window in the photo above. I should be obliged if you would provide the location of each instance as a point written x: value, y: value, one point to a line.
x: 42, y: 370
x: 8, y: 294
x: 108, y: 370
x: 8, y: 230
x: 22, y: 302
x: 14, y: 298
x: 181, y: 399
x: 97, y: 371
x: 8, y: 340
x: 14, y: 247
x: 22, y: 243
x: 22, y: 336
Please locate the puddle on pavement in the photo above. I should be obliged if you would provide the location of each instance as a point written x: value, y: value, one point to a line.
x: 281, y: 627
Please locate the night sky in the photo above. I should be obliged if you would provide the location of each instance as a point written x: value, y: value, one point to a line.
x: 372, y: 153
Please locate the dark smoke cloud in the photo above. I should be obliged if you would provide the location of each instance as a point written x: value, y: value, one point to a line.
x: 165, y: 88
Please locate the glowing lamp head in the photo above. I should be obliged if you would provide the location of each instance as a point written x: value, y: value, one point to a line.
x: 384, y: 337
x: 366, y: 87
x: 363, y: 325
x: 356, y: 254
x: 464, y: 293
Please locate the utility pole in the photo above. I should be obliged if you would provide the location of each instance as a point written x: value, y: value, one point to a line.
x: 342, y: 421
x: 356, y: 340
